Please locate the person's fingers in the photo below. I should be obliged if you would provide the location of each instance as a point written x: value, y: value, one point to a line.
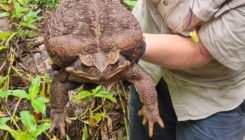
x: 89, y: 86
x: 127, y: 83
x: 69, y: 85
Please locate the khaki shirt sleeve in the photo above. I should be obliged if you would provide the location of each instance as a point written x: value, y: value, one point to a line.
x: 205, y: 9
x: 224, y: 34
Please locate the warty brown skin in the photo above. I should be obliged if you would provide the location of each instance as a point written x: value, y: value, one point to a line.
x: 96, y: 41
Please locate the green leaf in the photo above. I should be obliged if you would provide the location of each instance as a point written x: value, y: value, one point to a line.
x: 4, y: 6
x: 130, y: 2
x: 4, y: 93
x: 23, y: 9
x: 28, y: 119
x: 20, y: 93
x: 4, y: 14
x: 86, y: 122
x: 3, y: 79
x: 10, y: 38
x: 85, y: 132
x: 17, y: 15
x: 29, y: 25
x: 98, y: 117
x: 106, y: 95
x: 82, y: 95
x: 39, y: 104
x: 32, y: 26
x: 40, y: 129
x: 2, y: 47
x: 19, y: 135
x: 5, y: 127
x: 47, y: 78
x: 5, y: 119
x: 47, y: 120
x: 43, y: 99
x: 34, y: 87
x: 88, y: 100
x: 67, y: 137
x: 97, y: 89
x: 16, y: 5
x: 31, y: 16
x: 17, y: 12
x: 4, y: 35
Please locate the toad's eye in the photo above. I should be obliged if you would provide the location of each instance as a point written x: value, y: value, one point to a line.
x: 115, y: 63
x: 84, y: 67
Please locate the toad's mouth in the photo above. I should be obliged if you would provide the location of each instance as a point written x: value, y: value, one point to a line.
x: 95, y: 75
x: 98, y: 68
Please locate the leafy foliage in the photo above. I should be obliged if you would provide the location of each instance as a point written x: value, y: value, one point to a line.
x: 38, y: 103
x: 23, y: 16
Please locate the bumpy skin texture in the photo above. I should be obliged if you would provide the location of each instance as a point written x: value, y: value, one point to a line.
x: 96, y: 41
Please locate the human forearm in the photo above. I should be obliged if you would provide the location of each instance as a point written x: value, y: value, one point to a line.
x: 174, y: 51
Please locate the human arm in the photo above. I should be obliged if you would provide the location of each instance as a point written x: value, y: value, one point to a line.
x: 222, y: 35
x: 175, y: 51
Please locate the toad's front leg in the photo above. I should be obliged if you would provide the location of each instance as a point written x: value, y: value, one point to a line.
x: 58, y: 99
x: 148, y: 96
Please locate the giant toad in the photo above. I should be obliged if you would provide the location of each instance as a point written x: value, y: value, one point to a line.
x: 96, y: 41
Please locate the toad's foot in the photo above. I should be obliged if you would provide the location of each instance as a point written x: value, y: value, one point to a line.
x: 148, y: 96
x: 59, y: 119
x: 152, y: 117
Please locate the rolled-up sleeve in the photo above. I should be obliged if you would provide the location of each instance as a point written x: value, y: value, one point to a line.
x: 224, y: 37
x: 205, y: 9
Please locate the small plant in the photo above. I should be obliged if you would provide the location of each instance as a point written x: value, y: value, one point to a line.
x: 32, y: 129
x: 96, y: 116
x: 24, y: 14
x: 50, y: 3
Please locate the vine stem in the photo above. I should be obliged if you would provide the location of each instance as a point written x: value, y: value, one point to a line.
x: 123, y: 108
x: 12, y: 116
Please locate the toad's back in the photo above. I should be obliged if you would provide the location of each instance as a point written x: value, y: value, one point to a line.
x: 92, y: 26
